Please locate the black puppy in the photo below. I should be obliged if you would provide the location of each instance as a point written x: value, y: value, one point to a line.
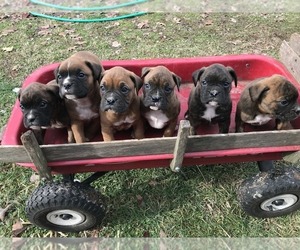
x: 43, y: 108
x: 210, y: 99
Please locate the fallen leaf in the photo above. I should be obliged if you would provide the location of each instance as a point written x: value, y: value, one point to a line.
x: 146, y: 234
x: 72, y: 48
x: 162, y: 234
x: 139, y: 200
x: 177, y: 20
x: 8, y: 49
x: 18, y: 228
x: 143, y: 25
x: 44, y: 32
x: 233, y: 20
x: 3, y: 212
x: 6, y: 32
x: 153, y: 183
x: 34, y: 178
x: 208, y: 22
x: 16, y: 90
x: 116, y: 44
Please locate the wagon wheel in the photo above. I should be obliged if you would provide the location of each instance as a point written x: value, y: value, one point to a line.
x: 271, y: 194
x: 65, y: 206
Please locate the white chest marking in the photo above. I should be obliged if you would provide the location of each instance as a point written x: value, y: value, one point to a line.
x: 156, y: 118
x: 83, y: 108
x: 260, y: 119
x: 128, y: 120
x: 210, y: 111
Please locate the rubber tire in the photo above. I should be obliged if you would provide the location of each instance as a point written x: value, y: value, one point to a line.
x: 74, y: 196
x: 266, y: 185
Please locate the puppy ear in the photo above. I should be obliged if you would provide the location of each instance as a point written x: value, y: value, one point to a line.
x: 97, y: 69
x: 53, y: 89
x: 233, y: 74
x: 177, y: 80
x: 138, y: 82
x: 196, y: 74
x: 257, y: 90
x: 145, y: 71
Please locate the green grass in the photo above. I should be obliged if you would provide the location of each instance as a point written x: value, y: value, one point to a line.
x: 150, y: 202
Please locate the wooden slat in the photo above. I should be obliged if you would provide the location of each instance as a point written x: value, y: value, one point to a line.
x: 243, y: 140
x: 180, y: 145
x: 290, y: 59
x: 14, y: 154
x: 155, y: 146
x: 36, y: 155
x: 202, y: 143
x: 96, y: 150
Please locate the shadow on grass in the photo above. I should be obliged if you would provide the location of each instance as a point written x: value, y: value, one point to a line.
x: 165, y: 192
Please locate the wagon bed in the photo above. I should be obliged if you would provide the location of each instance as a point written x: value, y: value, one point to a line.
x: 208, y: 147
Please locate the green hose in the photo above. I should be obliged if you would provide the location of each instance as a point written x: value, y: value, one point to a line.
x: 89, y: 8
x: 105, y: 19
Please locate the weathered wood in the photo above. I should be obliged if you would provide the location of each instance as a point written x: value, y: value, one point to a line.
x: 295, y: 43
x: 153, y: 146
x: 244, y: 140
x: 166, y: 145
x: 290, y: 59
x: 118, y: 148
x: 13, y: 154
x: 180, y: 145
x: 36, y: 155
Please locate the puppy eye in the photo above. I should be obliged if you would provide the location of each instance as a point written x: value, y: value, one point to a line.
x: 102, y: 88
x: 22, y: 106
x: 147, y: 86
x: 59, y: 77
x: 204, y: 83
x: 81, y: 75
x: 284, y: 102
x: 168, y: 89
x: 124, y: 89
x: 226, y: 84
x: 43, y: 104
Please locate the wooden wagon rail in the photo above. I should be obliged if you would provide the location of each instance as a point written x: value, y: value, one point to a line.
x: 184, y: 143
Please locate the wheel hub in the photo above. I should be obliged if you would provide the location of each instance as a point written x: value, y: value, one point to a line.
x: 65, y: 217
x: 279, y: 202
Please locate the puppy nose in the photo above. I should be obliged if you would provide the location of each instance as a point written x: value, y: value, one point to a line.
x: 30, y: 118
x: 67, y: 86
x: 213, y: 92
x: 155, y: 98
x: 297, y: 110
x: 110, y: 100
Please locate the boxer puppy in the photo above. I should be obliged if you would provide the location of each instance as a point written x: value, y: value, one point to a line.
x: 265, y: 99
x: 160, y: 105
x: 78, y: 79
x: 43, y: 108
x: 209, y: 100
x: 120, y: 104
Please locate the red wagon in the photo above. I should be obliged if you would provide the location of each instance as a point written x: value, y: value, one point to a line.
x: 74, y: 206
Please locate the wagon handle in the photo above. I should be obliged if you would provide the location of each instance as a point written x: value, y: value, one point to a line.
x: 36, y: 155
x: 180, y: 145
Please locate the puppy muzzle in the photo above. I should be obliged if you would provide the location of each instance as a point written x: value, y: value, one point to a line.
x: 155, y: 102
x: 33, y: 121
x: 289, y: 115
x: 113, y: 103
